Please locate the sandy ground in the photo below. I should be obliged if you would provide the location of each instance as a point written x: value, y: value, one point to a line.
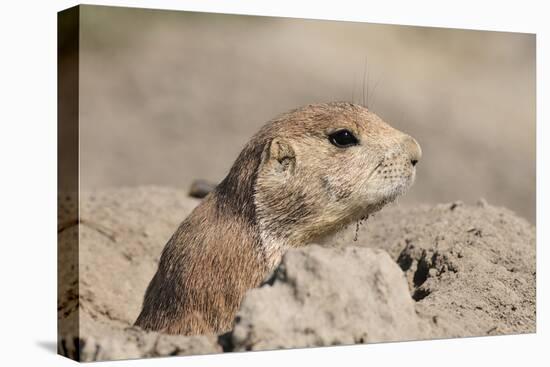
x: 449, y: 270
x: 168, y: 97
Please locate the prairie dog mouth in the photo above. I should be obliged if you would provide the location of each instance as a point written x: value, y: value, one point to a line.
x: 393, y: 187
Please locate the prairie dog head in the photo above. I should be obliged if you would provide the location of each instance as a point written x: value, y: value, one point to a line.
x: 326, y: 165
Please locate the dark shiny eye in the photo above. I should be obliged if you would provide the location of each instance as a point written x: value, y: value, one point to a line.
x: 343, y: 139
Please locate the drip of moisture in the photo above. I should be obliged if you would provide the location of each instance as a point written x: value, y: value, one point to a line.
x: 359, y: 222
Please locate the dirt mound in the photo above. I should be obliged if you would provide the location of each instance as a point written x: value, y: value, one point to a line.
x: 470, y: 270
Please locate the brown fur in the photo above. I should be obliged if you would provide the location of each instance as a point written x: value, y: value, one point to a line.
x: 288, y: 187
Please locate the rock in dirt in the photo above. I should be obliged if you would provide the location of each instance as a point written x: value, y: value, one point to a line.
x: 200, y: 188
x: 322, y: 297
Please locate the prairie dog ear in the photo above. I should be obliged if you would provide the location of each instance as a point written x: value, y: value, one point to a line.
x: 279, y: 156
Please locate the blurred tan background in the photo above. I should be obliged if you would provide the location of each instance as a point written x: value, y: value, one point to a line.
x: 168, y: 97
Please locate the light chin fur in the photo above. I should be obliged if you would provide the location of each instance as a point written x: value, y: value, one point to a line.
x: 388, y: 195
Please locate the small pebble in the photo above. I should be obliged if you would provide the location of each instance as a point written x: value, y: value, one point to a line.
x: 455, y: 205
x: 200, y: 188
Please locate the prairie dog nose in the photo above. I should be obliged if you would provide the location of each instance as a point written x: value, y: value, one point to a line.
x: 412, y: 147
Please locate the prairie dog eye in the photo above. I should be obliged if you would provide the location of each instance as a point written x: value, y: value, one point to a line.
x: 343, y: 138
